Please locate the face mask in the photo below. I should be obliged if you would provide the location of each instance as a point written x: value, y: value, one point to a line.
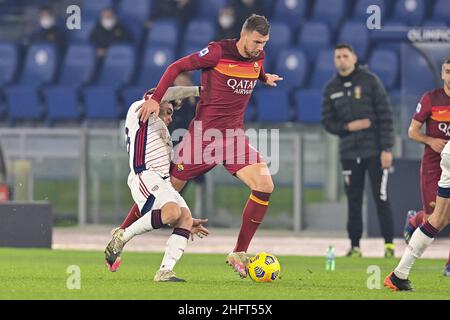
x: 47, y: 22
x: 108, y: 23
x: 226, y: 21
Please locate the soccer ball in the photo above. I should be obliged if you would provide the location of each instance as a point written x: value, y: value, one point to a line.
x: 264, y: 267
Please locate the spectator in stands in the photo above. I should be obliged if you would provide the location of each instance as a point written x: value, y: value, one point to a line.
x: 107, y: 31
x: 356, y: 107
x: 227, y: 27
x: 48, y: 30
x: 181, y: 10
x: 245, y: 8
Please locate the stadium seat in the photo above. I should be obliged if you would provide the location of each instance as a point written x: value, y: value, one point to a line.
x: 290, y: 11
x: 436, y: 23
x: 357, y: 35
x: 210, y: 9
x: 132, y: 94
x: 92, y: 9
x: 250, y: 113
x: 118, y: 66
x: 410, y: 12
x: 441, y: 10
x: 40, y: 65
x: 62, y: 103
x: 8, y: 62
x: 78, y: 65
x: 134, y: 28
x: 198, y: 34
x: 82, y: 34
x: 135, y: 10
x: 280, y: 38
x: 292, y: 65
x: 313, y: 37
x: 309, y: 106
x: 164, y: 32
x: 101, y: 103
x: 324, y: 69
x: 154, y: 62
x: 273, y: 105
x: 23, y: 103
x: 384, y: 63
x: 329, y: 11
x: 360, y: 9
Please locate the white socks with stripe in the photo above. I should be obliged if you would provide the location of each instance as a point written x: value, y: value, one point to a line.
x: 176, y: 244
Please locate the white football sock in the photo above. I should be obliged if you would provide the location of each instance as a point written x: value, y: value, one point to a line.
x: 174, y: 250
x: 417, y: 245
x: 140, y: 226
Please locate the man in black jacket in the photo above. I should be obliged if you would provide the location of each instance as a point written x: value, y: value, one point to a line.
x: 357, y: 109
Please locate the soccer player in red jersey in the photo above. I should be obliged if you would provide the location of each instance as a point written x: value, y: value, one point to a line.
x: 434, y: 111
x: 230, y: 71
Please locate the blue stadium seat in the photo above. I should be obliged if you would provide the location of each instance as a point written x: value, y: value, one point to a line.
x: 436, y: 23
x: 309, y: 106
x: 154, y: 62
x: 132, y: 94
x: 210, y: 9
x: 273, y: 105
x: 101, y: 103
x: 92, y: 9
x: 164, y: 32
x: 360, y: 11
x: 384, y: 63
x: 324, y: 69
x: 8, y: 62
x: 292, y: 66
x: 250, y: 113
x: 40, y: 65
x: 329, y: 11
x: 313, y: 37
x: 62, y: 103
x: 290, y: 11
x: 198, y: 34
x: 23, y: 103
x: 441, y: 10
x: 118, y: 66
x: 357, y: 35
x: 135, y: 30
x: 280, y: 38
x: 410, y: 12
x: 82, y: 34
x: 78, y: 65
x: 136, y: 10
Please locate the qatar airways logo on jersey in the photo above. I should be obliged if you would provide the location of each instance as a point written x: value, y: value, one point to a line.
x: 445, y: 128
x: 241, y: 86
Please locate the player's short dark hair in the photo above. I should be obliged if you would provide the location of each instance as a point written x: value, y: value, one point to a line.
x: 257, y: 23
x: 176, y: 104
x: 446, y: 61
x: 344, y: 46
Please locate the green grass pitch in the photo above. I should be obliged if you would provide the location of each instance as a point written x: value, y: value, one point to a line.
x: 42, y: 274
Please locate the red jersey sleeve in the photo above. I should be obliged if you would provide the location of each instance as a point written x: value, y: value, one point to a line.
x: 423, y: 110
x: 205, y: 58
x: 262, y: 75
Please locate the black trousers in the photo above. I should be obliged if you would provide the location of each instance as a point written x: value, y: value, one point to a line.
x: 354, y: 172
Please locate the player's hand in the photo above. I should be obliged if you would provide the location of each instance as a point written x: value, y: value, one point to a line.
x: 272, y: 79
x: 437, y: 144
x: 357, y: 125
x: 386, y: 159
x: 148, y: 108
x: 199, y: 229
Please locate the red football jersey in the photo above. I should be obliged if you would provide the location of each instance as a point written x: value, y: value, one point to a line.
x: 434, y: 110
x: 228, y: 80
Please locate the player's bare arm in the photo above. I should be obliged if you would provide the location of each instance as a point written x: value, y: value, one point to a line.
x: 272, y: 79
x: 415, y: 133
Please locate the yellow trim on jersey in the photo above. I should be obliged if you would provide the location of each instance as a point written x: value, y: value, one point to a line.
x: 257, y: 200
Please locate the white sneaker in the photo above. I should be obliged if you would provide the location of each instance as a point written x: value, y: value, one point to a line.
x: 114, y: 249
x: 167, y: 276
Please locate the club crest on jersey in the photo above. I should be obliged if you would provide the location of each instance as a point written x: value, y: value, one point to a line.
x: 256, y: 66
x: 358, y: 92
x: 203, y: 52
x: 155, y: 188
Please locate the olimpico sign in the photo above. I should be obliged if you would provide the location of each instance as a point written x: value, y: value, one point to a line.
x: 429, y: 35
